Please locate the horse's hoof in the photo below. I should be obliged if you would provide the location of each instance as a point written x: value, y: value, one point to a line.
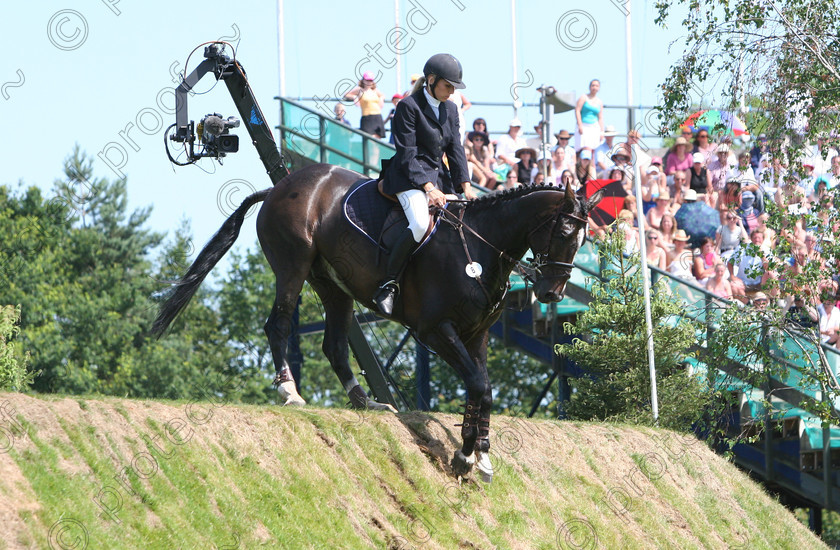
x: 462, y: 465
x: 485, y: 467
x: 289, y: 395
x: 375, y: 406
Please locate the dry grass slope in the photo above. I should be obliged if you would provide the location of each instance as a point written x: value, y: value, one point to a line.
x: 110, y: 473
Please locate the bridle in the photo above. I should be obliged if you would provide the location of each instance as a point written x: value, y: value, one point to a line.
x: 541, y: 260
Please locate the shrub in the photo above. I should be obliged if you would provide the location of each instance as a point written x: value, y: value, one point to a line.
x: 14, y: 374
x: 614, y: 349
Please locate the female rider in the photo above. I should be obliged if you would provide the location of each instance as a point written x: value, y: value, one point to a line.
x: 425, y: 127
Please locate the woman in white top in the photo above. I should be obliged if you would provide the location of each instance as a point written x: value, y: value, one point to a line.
x: 681, y: 259
x: 730, y: 236
x: 829, y: 320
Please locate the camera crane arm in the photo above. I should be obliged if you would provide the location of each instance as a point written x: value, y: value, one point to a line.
x: 231, y: 71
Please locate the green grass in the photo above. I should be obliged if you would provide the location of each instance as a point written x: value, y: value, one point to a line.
x: 312, y: 478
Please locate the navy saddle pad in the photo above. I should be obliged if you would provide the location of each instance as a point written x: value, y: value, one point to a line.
x: 366, y: 209
x: 379, y: 219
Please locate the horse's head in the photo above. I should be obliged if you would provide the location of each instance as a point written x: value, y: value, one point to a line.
x: 555, y: 242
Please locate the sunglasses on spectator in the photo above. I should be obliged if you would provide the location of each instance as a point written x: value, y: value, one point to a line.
x: 562, y: 139
x: 653, y: 238
x: 679, y: 180
x: 703, y: 135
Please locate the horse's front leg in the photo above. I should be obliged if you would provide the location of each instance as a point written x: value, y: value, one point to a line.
x: 477, y: 348
x: 472, y: 369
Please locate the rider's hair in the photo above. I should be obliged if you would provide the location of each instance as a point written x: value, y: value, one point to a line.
x: 419, y: 85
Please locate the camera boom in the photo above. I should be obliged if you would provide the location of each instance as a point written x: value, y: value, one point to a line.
x: 213, y: 130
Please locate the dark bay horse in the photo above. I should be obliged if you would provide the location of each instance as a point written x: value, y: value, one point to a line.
x: 305, y: 237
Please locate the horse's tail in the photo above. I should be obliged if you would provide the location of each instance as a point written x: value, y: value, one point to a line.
x: 209, y: 256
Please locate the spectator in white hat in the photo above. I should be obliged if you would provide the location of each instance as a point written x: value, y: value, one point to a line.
x: 508, y: 144
x: 585, y: 169
x: 699, y: 179
x: 604, y: 151
x: 718, y: 167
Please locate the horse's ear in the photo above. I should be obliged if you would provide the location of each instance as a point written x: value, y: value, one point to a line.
x: 593, y: 201
x: 570, y: 194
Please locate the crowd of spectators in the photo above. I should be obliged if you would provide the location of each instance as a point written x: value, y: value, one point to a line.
x: 737, y: 184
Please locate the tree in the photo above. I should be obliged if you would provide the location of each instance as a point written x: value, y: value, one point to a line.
x: 781, y: 55
x: 615, y: 350
x: 785, y: 52
x: 79, y: 264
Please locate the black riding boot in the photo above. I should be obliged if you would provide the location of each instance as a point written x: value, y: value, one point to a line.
x: 397, y: 259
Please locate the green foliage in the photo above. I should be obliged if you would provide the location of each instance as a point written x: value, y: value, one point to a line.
x: 14, y: 375
x: 781, y: 55
x: 782, y: 58
x: 615, y: 350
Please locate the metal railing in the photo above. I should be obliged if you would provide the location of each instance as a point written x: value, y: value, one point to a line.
x: 311, y: 135
x: 634, y: 116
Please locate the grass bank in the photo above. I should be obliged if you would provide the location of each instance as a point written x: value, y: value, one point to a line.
x: 113, y: 473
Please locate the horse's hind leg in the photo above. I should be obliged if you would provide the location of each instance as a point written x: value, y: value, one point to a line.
x: 278, y: 327
x: 338, y: 311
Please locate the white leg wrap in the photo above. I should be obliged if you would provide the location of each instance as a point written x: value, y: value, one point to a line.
x: 468, y: 459
x: 288, y: 394
x: 485, y: 466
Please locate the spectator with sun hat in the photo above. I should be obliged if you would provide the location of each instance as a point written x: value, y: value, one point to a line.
x: 604, y: 150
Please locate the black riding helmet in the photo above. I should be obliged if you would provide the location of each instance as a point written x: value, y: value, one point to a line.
x: 446, y: 67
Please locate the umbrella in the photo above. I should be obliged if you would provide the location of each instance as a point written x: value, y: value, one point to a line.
x: 716, y: 121
x: 607, y: 209
x: 699, y: 220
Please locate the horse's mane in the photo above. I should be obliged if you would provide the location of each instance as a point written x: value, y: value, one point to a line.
x: 493, y: 199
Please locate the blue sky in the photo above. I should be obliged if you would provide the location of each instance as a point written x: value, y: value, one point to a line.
x: 96, y: 73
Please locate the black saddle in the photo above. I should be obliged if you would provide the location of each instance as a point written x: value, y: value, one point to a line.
x: 379, y: 217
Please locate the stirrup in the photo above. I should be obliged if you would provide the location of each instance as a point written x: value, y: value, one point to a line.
x: 391, y: 284
x: 385, y: 297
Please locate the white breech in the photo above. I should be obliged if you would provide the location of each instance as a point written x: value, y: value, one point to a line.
x: 416, y: 207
